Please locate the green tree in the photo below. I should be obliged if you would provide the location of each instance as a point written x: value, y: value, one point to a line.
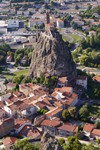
x: 5, y: 47
x: 98, y: 141
x: 65, y: 114
x: 72, y: 111
x: 97, y: 124
x: 77, y: 145
x: 26, y: 80
x: 92, y: 41
x: 42, y: 78
x: 1, y: 69
x: 18, y: 79
x: 83, y: 43
x: 61, y: 141
x: 84, y: 59
x: 92, y: 147
x: 20, y: 144
x: 25, y: 145
x: 84, y: 112
x: 67, y: 147
x: 74, y: 143
x: 74, y: 25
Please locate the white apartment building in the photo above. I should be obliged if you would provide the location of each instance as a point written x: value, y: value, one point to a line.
x: 34, y: 22
x: 12, y: 23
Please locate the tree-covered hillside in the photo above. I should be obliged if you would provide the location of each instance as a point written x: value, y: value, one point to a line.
x: 88, y: 51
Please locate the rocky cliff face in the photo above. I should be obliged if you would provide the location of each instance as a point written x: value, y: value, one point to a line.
x: 51, y: 56
x: 48, y: 142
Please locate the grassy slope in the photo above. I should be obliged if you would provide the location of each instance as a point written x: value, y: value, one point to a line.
x: 17, y: 73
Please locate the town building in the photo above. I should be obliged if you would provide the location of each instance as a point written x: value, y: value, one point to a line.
x: 10, y: 86
x: 60, y: 23
x: 6, y: 125
x: 87, y: 129
x: 9, y: 142
x: 67, y: 129
x: 50, y: 126
x: 36, y: 22
x: 95, y: 133
x: 82, y: 80
x: 12, y: 23
x: 63, y: 81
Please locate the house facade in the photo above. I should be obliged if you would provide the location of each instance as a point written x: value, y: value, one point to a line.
x: 20, y: 108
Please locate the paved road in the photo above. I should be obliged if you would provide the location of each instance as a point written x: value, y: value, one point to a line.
x: 67, y: 31
x: 16, y: 33
x: 90, y: 70
x: 71, y: 30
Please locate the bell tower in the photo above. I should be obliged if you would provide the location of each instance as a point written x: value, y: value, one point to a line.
x: 47, y: 17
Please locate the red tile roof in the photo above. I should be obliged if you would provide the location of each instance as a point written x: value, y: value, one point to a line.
x: 54, y: 94
x: 47, y: 102
x: 54, y: 112
x: 62, y: 79
x: 68, y: 127
x: 20, y: 122
x: 96, y: 78
x: 64, y: 89
x: 59, y: 20
x: 88, y: 127
x: 40, y: 105
x: 58, y: 104
x: 96, y: 23
x: 19, y: 105
x: 51, y: 123
x: 96, y: 132
x: 11, y: 99
x: 19, y: 95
